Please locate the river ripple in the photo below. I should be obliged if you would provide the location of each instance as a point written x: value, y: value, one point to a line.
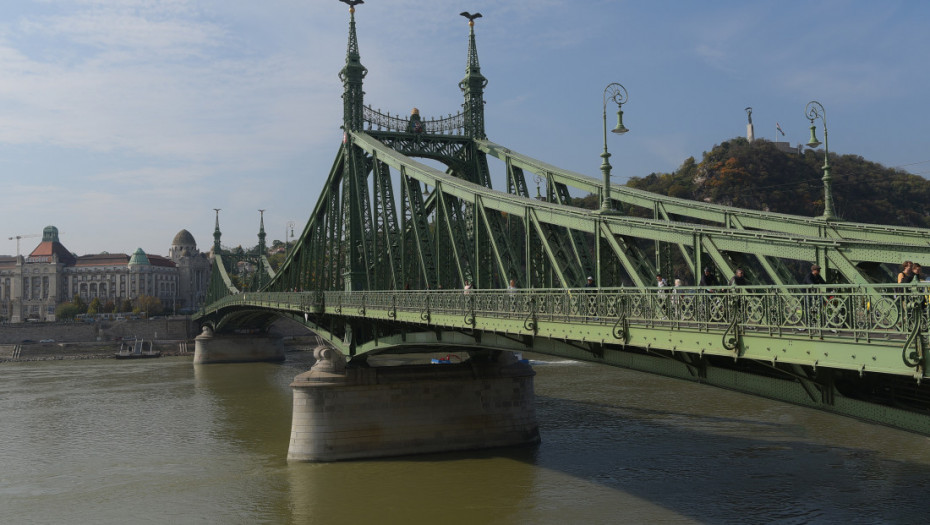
x: 162, y: 441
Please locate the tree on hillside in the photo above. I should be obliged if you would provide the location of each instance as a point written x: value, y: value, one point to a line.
x: 757, y: 175
x: 275, y: 260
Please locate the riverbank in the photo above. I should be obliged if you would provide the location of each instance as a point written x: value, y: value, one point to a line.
x: 81, y: 350
x: 69, y: 341
x: 75, y: 351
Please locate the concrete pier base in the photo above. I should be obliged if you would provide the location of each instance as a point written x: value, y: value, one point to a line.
x: 356, y: 413
x: 236, y: 348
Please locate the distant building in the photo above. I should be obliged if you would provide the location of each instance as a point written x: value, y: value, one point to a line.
x: 32, y: 287
x: 786, y: 147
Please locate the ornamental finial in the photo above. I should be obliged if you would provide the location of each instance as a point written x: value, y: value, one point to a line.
x: 352, y: 4
x: 471, y: 17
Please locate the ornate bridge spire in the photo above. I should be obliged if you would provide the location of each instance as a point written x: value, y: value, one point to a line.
x: 262, y: 247
x: 473, y: 85
x: 216, y: 233
x: 351, y: 76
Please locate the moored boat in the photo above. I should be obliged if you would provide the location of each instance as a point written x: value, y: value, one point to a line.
x: 134, y: 350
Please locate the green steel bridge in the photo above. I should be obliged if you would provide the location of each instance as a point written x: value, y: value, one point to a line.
x: 382, y: 263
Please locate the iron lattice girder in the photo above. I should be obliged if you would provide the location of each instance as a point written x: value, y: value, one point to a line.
x: 445, y: 148
x: 763, y: 324
x: 724, y: 215
x: 773, y: 244
x: 388, y: 231
x: 414, y: 200
x: 314, y: 252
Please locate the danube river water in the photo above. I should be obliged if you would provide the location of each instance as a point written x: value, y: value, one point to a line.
x: 162, y: 441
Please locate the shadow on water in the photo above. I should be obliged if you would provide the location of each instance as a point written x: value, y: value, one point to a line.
x: 717, y: 457
x: 724, y: 469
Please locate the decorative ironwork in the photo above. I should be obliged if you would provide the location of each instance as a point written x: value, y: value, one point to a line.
x: 377, y: 121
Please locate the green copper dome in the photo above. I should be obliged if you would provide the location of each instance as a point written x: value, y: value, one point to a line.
x: 50, y: 234
x: 139, y: 257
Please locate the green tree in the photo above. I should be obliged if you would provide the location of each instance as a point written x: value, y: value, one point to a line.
x: 125, y: 305
x: 148, y: 304
x: 79, y: 303
x: 66, y: 311
x: 275, y: 260
x: 94, y: 306
x: 757, y: 175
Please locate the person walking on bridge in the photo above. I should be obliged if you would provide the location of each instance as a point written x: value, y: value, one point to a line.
x: 814, y: 277
x: 907, y: 273
x: 739, y: 278
x: 708, y: 280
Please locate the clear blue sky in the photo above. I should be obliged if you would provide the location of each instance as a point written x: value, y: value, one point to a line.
x: 124, y: 121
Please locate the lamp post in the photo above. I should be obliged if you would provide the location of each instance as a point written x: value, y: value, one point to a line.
x: 288, y: 226
x: 813, y: 111
x: 617, y: 93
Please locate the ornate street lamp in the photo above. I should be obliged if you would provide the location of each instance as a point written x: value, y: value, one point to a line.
x: 617, y: 93
x: 813, y: 111
x: 288, y: 227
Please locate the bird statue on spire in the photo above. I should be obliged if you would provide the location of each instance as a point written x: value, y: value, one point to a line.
x: 353, y: 3
x: 471, y: 17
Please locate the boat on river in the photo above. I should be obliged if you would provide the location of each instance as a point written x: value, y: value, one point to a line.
x: 135, y: 349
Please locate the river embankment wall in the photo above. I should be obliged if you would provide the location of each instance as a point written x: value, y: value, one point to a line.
x: 181, y: 328
x: 102, y: 339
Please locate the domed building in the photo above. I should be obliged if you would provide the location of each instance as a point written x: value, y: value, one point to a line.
x: 31, y: 287
x: 193, y: 270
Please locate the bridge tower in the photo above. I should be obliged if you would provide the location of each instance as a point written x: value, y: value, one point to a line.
x: 473, y: 86
x: 217, y: 247
x: 262, y: 247
x: 356, y: 217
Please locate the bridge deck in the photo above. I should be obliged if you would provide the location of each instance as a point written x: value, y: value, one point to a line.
x: 865, y: 329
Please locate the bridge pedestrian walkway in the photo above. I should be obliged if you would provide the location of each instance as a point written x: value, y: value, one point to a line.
x: 865, y: 329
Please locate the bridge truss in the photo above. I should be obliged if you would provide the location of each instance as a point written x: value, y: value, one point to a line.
x: 392, y: 240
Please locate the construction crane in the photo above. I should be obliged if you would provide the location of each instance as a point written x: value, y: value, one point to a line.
x: 18, y: 237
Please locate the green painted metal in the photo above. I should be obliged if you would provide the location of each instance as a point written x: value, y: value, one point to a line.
x: 714, y: 213
x: 377, y: 230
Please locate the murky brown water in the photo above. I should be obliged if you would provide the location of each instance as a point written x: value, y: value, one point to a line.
x: 160, y: 441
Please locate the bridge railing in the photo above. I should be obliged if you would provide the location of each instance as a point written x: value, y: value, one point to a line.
x: 888, y: 312
x: 451, y: 125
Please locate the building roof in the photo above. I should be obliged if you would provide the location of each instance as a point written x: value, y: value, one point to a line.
x: 158, y: 260
x: 46, y: 249
x: 103, y: 259
x: 184, y: 238
x: 138, y: 257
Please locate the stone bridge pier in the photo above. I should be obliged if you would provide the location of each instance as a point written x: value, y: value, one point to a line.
x: 236, y: 348
x: 363, y: 411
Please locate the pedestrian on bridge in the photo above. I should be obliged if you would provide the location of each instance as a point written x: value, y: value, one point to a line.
x: 907, y: 273
x: 708, y: 280
x: 813, y: 303
x: 739, y: 278
x: 814, y: 277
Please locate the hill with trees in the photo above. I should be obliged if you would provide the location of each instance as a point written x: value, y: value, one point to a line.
x: 757, y: 175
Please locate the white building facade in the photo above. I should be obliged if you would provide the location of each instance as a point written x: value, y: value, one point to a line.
x: 31, y: 287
